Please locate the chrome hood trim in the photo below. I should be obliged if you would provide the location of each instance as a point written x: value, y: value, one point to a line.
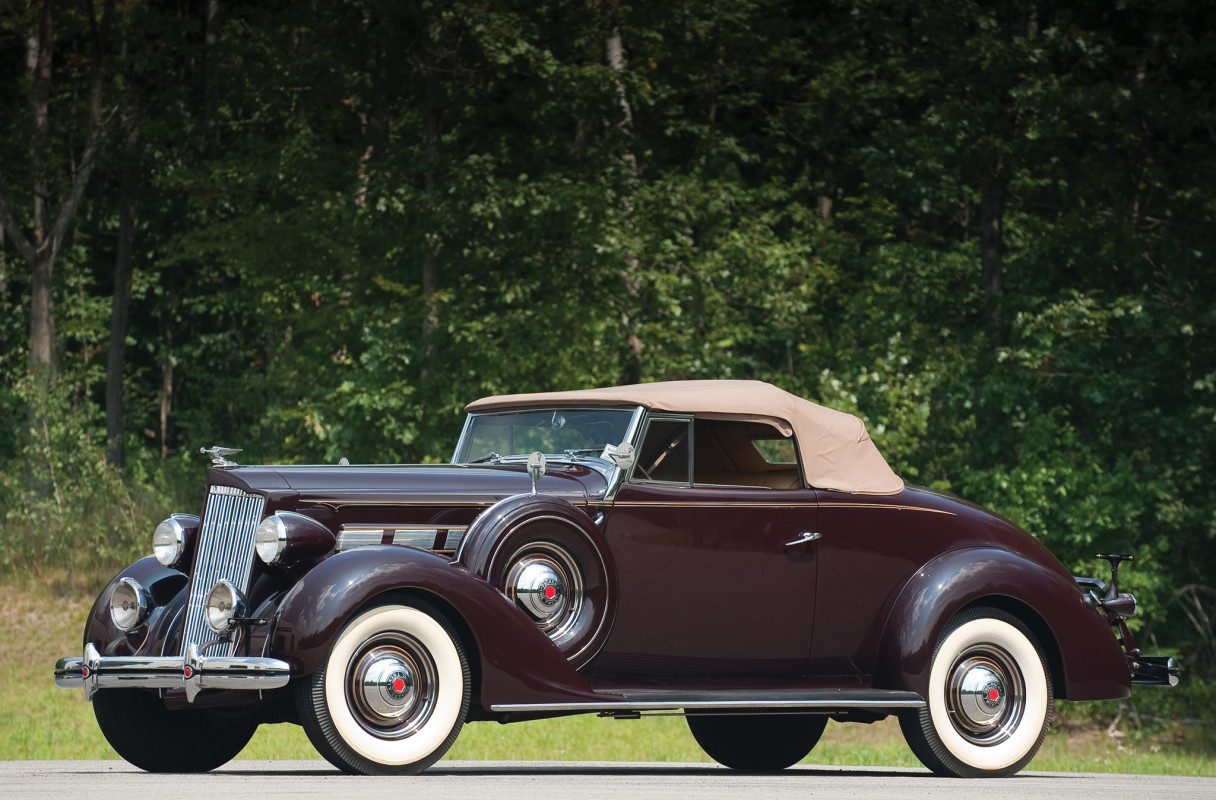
x: 339, y: 487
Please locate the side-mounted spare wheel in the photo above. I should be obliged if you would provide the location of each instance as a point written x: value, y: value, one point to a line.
x: 136, y: 724
x: 393, y: 693
x: 549, y: 558
x: 990, y: 698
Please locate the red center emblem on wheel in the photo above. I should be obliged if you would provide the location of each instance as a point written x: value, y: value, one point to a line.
x: 398, y: 685
x: 994, y: 695
x: 550, y: 592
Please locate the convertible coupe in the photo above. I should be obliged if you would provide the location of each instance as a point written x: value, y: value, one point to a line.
x: 719, y: 549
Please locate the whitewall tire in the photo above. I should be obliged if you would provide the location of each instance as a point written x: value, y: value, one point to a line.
x: 990, y: 698
x: 393, y: 693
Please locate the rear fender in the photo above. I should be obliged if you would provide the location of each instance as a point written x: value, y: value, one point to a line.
x: 518, y: 664
x: 1085, y: 657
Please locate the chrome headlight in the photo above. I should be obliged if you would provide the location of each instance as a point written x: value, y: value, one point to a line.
x: 129, y: 605
x: 225, y: 604
x: 271, y: 539
x: 288, y: 537
x: 171, y: 538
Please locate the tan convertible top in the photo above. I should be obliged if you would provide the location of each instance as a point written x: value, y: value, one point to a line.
x: 835, y: 447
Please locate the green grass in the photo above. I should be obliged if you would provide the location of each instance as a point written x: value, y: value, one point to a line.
x: 38, y: 721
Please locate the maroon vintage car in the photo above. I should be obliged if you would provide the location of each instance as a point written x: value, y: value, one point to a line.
x: 718, y: 548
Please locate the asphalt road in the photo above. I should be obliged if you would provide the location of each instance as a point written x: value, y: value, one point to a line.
x: 479, y: 780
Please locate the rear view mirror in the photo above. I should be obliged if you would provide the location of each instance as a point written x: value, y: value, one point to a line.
x: 622, y: 455
x: 536, y: 467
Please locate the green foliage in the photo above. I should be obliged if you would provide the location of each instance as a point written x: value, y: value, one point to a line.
x: 63, y: 509
x: 354, y: 217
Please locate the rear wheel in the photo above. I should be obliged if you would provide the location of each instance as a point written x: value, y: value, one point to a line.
x: 392, y: 695
x: 757, y: 743
x: 990, y: 699
x: 136, y: 724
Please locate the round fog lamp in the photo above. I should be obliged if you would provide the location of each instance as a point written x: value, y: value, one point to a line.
x: 129, y: 605
x: 224, y: 604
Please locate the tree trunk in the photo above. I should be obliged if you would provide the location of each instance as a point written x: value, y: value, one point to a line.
x: 433, y: 129
x: 41, y: 246
x: 166, y: 386
x: 211, y: 73
x: 3, y: 275
x: 39, y: 50
x: 993, y: 185
x: 614, y: 54
x: 123, y: 269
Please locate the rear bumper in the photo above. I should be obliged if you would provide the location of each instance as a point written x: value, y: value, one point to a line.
x: 193, y: 672
x: 1155, y: 671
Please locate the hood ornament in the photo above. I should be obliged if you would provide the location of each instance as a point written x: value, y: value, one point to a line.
x: 217, y: 455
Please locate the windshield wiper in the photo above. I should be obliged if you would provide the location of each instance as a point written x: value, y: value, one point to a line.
x: 584, y: 451
x: 490, y: 456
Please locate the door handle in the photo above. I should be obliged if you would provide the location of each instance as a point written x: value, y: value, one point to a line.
x: 804, y: 538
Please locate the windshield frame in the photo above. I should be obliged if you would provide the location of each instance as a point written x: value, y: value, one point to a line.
x: 631, y: 432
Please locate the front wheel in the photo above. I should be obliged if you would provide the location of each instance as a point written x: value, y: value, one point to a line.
x: 136, y: 723
x: 990, y: 699
x: 757, y: 743
x: 392, y: 695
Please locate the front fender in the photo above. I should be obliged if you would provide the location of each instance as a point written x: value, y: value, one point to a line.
x: 518, y: 664
x: 167, y: 587
x: 1086, y: 659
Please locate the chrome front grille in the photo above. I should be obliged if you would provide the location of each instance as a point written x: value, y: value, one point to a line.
x: 225, y: 552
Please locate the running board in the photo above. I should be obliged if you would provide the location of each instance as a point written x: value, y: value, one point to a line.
x: 814, y: 700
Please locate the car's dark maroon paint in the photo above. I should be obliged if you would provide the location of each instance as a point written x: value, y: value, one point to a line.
x: 723, y: 598
x: 862, y: 608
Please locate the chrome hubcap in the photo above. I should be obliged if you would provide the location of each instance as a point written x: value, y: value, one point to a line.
x: 981, y: 696
x: 389, y: 684
x: 392, y: 686
x: 985, y: 695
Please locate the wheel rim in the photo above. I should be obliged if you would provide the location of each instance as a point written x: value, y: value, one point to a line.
x: 392, y: 686
x: 985, y: 695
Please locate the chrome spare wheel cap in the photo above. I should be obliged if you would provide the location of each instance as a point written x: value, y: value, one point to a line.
x: 539, y: 588
x: 545, y: 581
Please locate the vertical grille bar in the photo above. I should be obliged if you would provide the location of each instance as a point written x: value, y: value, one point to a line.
x: 225, y: 552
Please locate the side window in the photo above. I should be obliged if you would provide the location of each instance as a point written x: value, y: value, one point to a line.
x: 666, y: 452
x: 744, y: 454
x: 776, y: 450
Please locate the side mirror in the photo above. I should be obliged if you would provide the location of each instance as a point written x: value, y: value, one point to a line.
x: 622, y: 455
x: 536, y: 467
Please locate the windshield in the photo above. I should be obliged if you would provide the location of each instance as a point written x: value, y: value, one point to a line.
x: 552, y: 431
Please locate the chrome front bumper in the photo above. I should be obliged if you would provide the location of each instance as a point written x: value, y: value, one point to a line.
x: 193, y: 671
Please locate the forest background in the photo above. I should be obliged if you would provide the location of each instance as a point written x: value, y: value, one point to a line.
x: 314, y: 230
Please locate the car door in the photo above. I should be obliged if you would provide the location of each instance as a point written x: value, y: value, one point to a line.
x: 715, y: 576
